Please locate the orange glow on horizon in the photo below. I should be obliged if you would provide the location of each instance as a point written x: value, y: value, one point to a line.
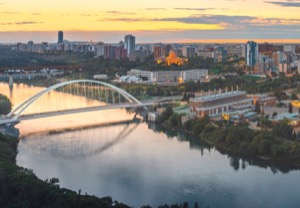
x: 156, y: 17
x: 237, y: 40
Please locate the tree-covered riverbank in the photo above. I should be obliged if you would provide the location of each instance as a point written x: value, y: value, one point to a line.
x: 20, y: 187
x: 276, y: 143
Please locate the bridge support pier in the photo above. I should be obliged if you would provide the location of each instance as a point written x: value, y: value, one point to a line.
x: 11, y: 80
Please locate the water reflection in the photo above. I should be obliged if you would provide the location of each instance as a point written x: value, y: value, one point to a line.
x: 236, y: 161
x: 70, y: 145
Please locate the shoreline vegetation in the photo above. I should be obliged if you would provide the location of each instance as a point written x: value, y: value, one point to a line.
x: 271, y: 143
x: 20, y: 187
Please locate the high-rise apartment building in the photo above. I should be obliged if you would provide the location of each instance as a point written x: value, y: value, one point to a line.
x: 265, y: 48
x: 188, y: 51
x: 159, y: 52
x: 60, y: 37
x: 129, y: 43
x: 220, y: 55
x: 251, y: 53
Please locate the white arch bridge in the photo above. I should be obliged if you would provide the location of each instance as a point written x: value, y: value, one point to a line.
x: 96, y: 94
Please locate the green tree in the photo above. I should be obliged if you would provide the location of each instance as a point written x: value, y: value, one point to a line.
x: 283, y: 129
x: 265, y: 123
x: 294, y: 96
x: 5, y: 104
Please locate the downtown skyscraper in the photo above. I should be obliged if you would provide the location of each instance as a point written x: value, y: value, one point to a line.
x: 251, y: 53
x: 60, y: 37
x: 129, y: 43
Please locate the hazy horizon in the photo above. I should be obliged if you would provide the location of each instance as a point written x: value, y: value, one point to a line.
x: 115, y: 37
x: 155, y: 21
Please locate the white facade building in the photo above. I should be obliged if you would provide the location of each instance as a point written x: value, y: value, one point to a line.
x: 170, y: 76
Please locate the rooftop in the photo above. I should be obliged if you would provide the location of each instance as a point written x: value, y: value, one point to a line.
x: 217, y: 96
x: 289, y: 116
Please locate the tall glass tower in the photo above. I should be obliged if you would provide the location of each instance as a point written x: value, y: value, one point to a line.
x: 60, y: 37
x: 251, y: 53
x: 129, y: 43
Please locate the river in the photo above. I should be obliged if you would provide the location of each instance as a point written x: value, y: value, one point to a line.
x: 136, y: 163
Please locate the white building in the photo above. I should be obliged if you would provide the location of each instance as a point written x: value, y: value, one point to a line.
x: 194, y: 75
x: 289, y: 48
x: 170, y: 76
x: 99, y: 50
x: 152, y: 116
x: 100, y: 76
x: 130, y: 79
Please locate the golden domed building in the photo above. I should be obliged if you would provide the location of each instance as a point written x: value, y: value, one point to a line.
x: 173, y: 59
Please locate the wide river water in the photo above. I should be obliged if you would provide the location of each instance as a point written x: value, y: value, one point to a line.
x: 136, y: 163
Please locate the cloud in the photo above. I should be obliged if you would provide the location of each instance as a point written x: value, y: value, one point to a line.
x: 9, y: 12
x: 288, y: 3
x: 155, y: 9
x: 124, y: 19
x: 225, y: 19
x: 118, y: 12
x: 194, y: 9
x: 85, y: 15
x: 20, y: 23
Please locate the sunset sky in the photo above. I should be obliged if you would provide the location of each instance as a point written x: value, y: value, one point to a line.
x: 150, y: 20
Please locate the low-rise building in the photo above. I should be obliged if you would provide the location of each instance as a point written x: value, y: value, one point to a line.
x: 293, y: 118
x: 214, y: 104
x: 170, y: 76
x: 152, y: 116
x: 244, y: 116
x: 188, y: 117
x: 262, y: 99
x: 100, y: 76
x: 130, y: 79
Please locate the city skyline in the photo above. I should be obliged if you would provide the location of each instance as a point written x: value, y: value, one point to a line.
x: 155, y: 21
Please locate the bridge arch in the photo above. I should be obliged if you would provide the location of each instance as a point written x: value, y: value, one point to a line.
x: 23, y: 106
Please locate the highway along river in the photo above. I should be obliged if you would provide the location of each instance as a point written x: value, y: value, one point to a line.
x: 138, y: 164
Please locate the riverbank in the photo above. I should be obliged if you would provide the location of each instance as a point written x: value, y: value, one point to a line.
x: 20, y: 187
x: 276, y: 145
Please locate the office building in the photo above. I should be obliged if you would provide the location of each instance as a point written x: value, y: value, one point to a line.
x: 251, y: 53
x: 129, y: 44
x: 60, y: 37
